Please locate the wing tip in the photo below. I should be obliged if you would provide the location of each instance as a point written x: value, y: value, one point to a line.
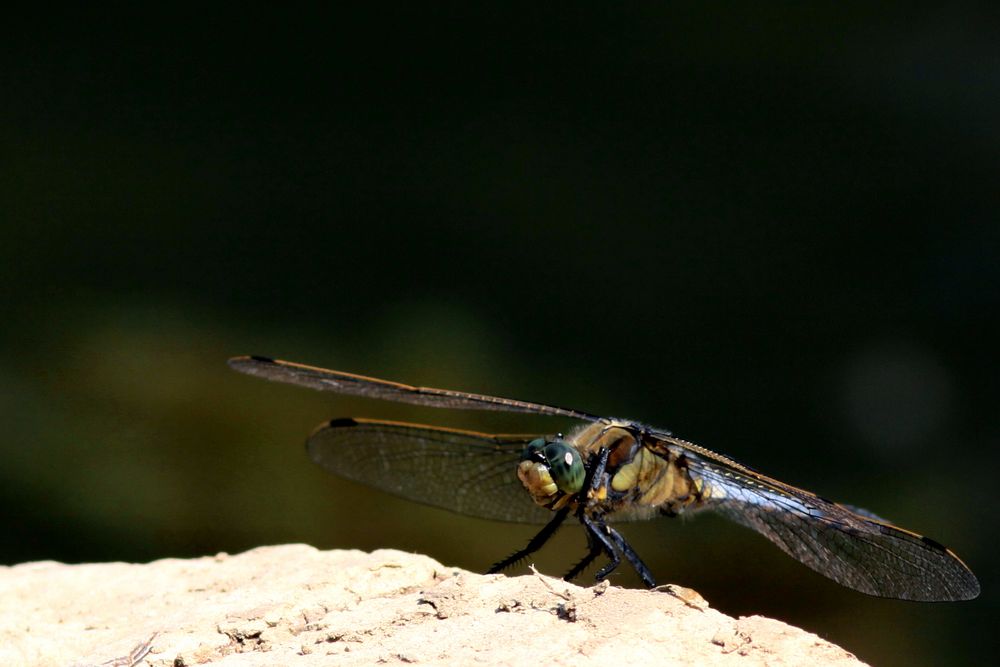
x: 971, y: 592
x: 969, y: 588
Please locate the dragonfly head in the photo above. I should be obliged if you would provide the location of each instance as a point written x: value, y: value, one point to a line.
x: 548, y: 467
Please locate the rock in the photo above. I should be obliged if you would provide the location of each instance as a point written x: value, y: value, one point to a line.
x: 295, y: 605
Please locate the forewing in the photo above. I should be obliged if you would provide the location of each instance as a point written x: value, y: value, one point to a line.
x: 860, y: 552
x: 463, y: 471
x: 360, y: 385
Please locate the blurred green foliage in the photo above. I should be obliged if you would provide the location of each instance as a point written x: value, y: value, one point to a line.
x: 773, y: 231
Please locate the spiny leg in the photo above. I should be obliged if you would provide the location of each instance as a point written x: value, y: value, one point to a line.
x: 594, y: 528
x: 593, y: 479
x: 620, y: 545
x: 596, y: 543
x: 631, y: 556
x: 536, y: 543
x: 594, y: 549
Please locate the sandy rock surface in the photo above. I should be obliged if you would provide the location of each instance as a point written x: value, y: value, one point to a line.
x: 295, y: 605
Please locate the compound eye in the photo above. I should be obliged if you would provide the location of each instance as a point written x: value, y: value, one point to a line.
x: 533, y: 451
x: 565, y: 466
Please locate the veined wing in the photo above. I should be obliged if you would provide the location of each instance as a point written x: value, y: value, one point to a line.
x: 860, y: 552
x: 462, y: 471
x: 360, y: 385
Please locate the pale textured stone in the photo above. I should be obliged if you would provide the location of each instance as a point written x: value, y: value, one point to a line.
x: 294, y: 605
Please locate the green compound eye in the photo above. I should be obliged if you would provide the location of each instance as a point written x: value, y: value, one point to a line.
x: 565, y: 466
x: 535, y: 446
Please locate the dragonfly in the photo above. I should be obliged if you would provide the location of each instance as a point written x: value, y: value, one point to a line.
x: 605, y: 472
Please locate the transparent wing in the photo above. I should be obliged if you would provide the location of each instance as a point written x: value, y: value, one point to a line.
x: 360, y: 385
x: 462, y: 471
x: 857, y: 551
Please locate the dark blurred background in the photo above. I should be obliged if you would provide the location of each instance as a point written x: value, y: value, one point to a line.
x: 772, y: 230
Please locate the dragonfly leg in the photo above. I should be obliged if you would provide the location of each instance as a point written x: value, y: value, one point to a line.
x: 595, y: 545
x: 632, y: 557
x: 599, y: 541
x: 602, y: 537
x: 536, y: 543
x: 594, y: 549
x: 593, y: 479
